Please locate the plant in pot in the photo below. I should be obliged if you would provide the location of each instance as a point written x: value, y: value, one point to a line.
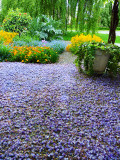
x: 98, y: 58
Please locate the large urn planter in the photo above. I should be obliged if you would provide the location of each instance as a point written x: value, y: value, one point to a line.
x: 101, y: 60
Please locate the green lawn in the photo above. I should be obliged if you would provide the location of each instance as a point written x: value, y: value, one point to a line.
x: 104, y: 37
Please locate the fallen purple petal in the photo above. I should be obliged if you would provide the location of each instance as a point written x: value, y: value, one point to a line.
x: 53, y: 112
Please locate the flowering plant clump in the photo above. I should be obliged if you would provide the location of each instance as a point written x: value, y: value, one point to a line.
x: 87, y: 52
x: 76, y: 41
x: 7, y: 37
x: 16, y: 21
x: 57, y: 45
x: 33, y: 54
x: 85, y: 48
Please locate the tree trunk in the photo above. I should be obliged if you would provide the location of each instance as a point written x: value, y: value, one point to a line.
x: 114, y: 22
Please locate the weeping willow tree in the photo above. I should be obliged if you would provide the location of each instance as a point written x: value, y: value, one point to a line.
x: 82, y: 14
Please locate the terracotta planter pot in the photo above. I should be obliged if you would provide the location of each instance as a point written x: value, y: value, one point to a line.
x: 100, y: 61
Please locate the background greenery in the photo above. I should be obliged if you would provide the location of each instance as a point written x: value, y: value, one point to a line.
x: 81, y: 15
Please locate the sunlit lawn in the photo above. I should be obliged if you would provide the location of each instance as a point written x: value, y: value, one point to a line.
x: 104, y: 37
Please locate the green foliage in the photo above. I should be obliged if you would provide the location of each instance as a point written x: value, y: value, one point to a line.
x: 4, y: 53
x: 46, y: 28
x: 105, y: 15
x: 86, y: 53
x: 69, y: 34
x: 24, y: 37
x: 16, y: 21
x: 83, y: 14
x: 113, y: 64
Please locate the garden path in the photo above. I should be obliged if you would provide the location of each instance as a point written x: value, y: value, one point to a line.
x: 67, y: 57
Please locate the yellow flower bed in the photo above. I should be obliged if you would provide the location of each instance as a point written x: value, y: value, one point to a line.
x: 78, y: 39
x: 7, y: 37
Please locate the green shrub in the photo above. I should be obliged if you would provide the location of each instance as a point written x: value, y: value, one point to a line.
x: 16, y: 21
x: 5, y: 54
x: 24, y: 37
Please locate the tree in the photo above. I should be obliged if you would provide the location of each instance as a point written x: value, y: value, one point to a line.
x: 114, y: 22
x: 83, y: 14
x: 105, y: 15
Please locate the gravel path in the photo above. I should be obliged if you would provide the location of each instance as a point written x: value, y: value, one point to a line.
x: 67, y: 58
x: 53, y: 112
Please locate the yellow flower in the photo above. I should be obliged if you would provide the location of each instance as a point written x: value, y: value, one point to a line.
x: 68, y: 47
x: 78, y: 39
x: 7, y: 37
x: 22, y: 61
x: 46, y: 60
x: 38, y: 60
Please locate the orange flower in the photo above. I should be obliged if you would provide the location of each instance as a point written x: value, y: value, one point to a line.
x: 15, y: 52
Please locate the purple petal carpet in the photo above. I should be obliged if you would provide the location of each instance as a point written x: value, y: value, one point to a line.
x: 53, y: 112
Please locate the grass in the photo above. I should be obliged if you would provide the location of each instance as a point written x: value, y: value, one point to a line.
x: 105, y: 37
x: 67, y: 36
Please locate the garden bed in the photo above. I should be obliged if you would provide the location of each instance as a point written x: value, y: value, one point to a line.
x: 50, y: 111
